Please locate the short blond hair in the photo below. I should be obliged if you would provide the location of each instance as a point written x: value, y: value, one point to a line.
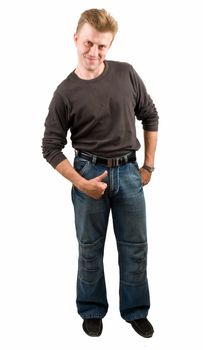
x: 100, y: 20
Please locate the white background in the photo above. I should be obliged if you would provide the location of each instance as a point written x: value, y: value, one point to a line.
x: 38, y: 249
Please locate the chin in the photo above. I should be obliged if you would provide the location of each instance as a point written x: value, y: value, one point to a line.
x: 92, y: 67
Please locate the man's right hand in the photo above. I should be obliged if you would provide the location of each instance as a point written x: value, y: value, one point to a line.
x: 95, y: 187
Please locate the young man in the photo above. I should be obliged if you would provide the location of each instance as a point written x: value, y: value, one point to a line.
x: 98, y: 102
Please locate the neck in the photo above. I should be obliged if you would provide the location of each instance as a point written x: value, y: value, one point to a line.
x: 88, y: 74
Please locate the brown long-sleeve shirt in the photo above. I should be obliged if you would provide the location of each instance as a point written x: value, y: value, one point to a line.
x: 100, y: 113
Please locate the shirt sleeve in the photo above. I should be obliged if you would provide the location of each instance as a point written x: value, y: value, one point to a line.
x: 56, y: 128
x: 145, y: 109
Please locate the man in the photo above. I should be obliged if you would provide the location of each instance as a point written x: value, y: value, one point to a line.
x: 98, y: 102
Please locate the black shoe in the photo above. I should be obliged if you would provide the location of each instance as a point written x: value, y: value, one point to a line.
x: 93, y: 326
x: 143, y: 327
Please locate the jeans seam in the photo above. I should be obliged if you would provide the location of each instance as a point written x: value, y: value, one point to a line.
x: 130, y: 243
x: 133, y: 284
x: 91, y: 244
x: 91, y: 283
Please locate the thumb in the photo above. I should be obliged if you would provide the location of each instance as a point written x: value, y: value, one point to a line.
x: 102, y: 176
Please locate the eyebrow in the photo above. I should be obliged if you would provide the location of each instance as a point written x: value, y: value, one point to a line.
x: 104, y: 45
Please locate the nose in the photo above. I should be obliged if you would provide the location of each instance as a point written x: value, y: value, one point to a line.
x: 94, y: 50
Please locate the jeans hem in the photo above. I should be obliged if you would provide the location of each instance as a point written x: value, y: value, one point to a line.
x: 92, y: 316
x: 132, y: 317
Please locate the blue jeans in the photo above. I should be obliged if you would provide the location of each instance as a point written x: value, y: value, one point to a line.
x: 125, y: 198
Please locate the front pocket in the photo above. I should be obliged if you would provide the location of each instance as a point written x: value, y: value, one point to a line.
x: 136, y: 173
x: 80, y: 165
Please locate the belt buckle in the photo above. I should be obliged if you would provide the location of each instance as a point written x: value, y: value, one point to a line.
x: 112, y: 162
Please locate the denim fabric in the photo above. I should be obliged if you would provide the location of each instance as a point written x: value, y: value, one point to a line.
x: 125, y: 198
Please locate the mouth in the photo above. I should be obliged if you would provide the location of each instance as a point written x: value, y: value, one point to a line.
x: 91, y: 59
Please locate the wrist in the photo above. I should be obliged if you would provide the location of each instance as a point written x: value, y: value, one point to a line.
x: 149, y: 168
x: 81, y: 185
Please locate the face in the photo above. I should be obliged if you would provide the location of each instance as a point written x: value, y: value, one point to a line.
x: 92, y: 47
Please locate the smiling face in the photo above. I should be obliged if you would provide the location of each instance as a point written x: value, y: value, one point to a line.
x: 92, y: 47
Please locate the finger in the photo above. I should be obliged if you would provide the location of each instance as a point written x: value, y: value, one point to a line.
x: 104, y: 186
x: 102, y: 176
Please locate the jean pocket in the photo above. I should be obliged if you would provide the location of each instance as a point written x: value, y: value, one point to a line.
x: 136, y: 166
x: 81, y: 165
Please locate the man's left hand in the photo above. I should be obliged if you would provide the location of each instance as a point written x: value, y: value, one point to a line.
x: 145, y: 176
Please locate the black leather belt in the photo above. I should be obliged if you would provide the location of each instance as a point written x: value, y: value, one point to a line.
x: 109, y: 162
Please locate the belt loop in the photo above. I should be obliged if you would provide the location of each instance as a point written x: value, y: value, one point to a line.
x: 126, y: 158
x: 94, y: 159
x: 109, y: 162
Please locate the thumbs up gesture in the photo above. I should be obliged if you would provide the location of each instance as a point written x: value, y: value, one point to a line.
x: 95, y: 187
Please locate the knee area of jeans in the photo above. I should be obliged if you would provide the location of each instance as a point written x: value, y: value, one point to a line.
x: 91, y: 261
x: 133, y: 262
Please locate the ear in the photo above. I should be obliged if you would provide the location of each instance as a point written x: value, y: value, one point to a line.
x: 75, y: 38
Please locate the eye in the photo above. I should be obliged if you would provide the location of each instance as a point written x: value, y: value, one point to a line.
x: 102, y: 47
x: 88, y: 43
